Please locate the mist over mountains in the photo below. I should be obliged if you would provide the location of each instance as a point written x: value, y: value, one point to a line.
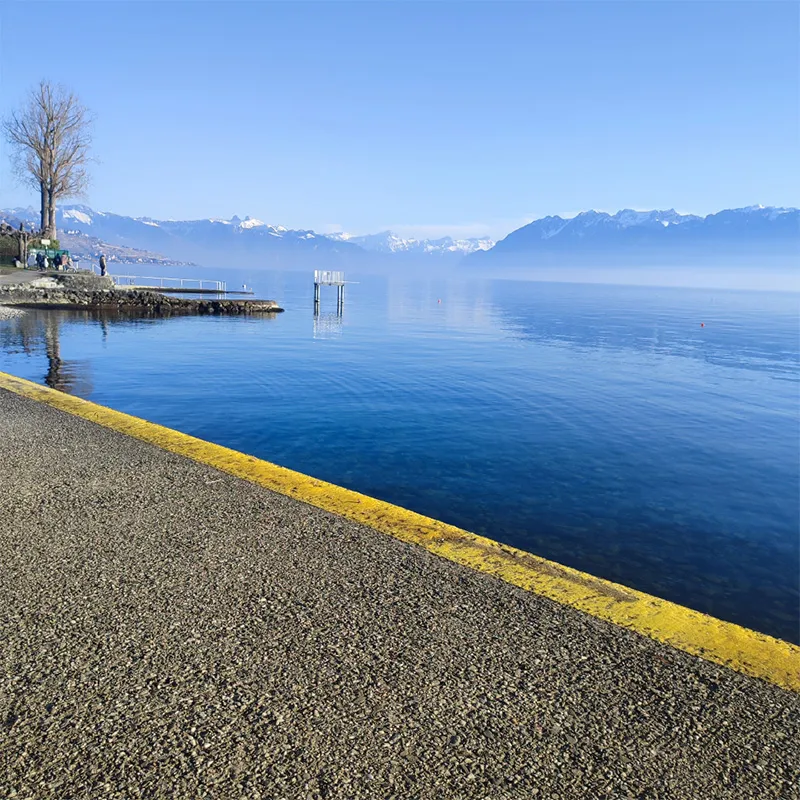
x: 389, y: 243
x: 211, y: 242
x: 730, y: 237
x: 250, y: 242
x: 751, y: 235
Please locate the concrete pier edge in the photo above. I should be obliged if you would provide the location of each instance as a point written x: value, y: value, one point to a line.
x: 738, y: 648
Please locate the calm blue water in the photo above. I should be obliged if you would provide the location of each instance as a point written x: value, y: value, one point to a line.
x: 599, y: 426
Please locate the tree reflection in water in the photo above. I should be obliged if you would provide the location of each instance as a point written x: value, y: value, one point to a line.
x: 36, y: 332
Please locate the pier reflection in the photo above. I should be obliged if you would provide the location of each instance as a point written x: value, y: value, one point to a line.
x: 327, y: 325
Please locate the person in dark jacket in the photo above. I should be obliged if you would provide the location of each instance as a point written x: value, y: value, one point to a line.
x: 103, y: 265
x: 40, y: 261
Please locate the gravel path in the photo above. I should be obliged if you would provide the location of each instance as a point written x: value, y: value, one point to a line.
x: 167, y: 630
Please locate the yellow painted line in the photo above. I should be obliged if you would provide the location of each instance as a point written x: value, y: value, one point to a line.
x: 738, y: 648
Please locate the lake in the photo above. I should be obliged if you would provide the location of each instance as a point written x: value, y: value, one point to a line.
x: 599, y: 426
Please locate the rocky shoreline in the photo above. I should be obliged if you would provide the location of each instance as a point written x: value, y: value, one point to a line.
x: 76, y: 291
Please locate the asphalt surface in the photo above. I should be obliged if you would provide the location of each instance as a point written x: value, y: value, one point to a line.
x: 12, y: 277
x: 167, y: 630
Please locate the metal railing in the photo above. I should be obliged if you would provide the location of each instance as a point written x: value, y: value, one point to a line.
x: 326, y: 277
x: 169, y: 283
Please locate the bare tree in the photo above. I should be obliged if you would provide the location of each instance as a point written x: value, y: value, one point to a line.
x: 50, y: 138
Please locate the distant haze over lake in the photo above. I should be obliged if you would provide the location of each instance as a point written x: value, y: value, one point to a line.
x: 752, y: 247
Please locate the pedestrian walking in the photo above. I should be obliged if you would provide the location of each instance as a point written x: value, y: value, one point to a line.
x: 103, y: 265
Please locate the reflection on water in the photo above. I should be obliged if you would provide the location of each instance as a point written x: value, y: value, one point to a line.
x: 739, y: 329
x: 602, y: 427
x: 327, y: 324
x: 35, y: 332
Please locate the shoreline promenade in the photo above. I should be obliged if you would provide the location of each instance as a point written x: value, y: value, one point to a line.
x: 171, y: 629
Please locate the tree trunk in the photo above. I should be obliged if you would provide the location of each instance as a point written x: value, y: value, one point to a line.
x: 51, y: 216
x: 45, y: 211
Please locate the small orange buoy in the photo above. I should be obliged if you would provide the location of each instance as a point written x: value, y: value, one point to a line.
x: 702, y: 324
x: 439, y: 301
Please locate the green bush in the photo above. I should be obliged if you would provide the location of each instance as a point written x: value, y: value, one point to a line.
x: 37, y: 244
x: 8, y: 246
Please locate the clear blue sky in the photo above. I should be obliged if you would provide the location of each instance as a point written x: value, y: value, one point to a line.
x: 428, y: 118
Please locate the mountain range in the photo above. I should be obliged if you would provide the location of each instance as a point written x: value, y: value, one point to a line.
x: 591, y: 237
x: 391, y: 244
x: 245, y: 242
x: 649, y: 237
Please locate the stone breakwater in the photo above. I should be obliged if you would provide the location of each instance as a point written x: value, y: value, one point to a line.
x: 91, y: 292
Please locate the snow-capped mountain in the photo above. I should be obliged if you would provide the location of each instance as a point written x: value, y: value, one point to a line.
x: 594, y: 237
x: 643, y: 236
x: 250, y: 241
x: 87, y: 248
x: 391, y: 243
x: 213, y: 242
x: 597, y: 223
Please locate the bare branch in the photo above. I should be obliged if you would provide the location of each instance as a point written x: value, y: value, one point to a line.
x: 50, y: 138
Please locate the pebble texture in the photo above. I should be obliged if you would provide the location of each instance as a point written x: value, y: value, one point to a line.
x: 167, y: 630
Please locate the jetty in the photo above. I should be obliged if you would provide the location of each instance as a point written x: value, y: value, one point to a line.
x: 183, y: 620
x: 88, y: 291
x: 176, y: 285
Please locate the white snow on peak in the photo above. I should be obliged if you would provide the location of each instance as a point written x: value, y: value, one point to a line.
x: 468, y: 245
x: 772, y: 211
x: 221, y: 221
x: 629, y: 216
x: 73, y: 213
x: 388, y: 242
x: 397, y: 243
x: 149, y: 222
x: 252, y: 223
